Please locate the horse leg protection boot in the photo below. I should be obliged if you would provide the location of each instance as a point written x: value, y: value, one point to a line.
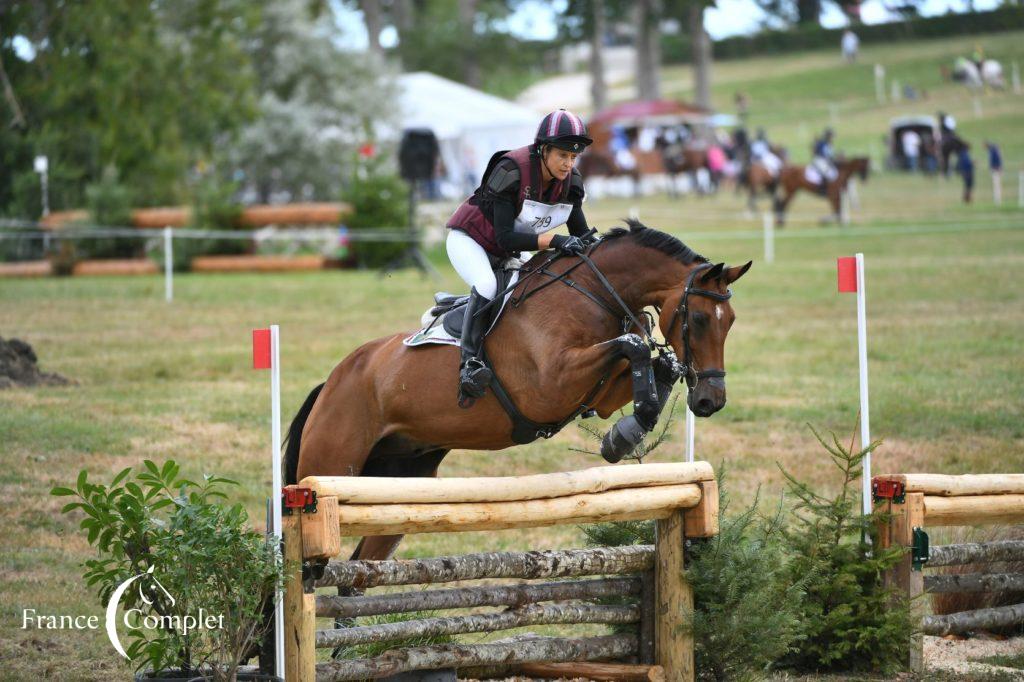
x: 474, y: 375
x: 627, y: 433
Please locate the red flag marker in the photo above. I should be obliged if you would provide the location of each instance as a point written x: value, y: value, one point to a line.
x: 261, y: 349
x: 847, y: 274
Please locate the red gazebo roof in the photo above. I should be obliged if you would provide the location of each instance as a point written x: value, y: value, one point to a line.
x: 643, y: 111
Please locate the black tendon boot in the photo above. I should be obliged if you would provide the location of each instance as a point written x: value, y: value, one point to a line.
x: 474, y: 375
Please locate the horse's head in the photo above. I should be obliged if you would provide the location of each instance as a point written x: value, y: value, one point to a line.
x: 863, y: 167
x: 695, y: 320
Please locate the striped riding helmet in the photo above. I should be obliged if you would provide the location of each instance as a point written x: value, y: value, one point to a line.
x: 562, y: 129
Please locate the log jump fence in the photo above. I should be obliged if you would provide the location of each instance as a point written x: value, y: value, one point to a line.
x: 915, y: 502
x: 681, y: 497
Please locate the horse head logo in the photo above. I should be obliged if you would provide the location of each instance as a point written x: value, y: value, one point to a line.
x: 115, y: 599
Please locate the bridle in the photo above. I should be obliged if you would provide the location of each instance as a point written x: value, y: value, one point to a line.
x: 690, y: 374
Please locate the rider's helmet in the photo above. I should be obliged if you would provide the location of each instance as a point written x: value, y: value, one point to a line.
x: 564, y: 130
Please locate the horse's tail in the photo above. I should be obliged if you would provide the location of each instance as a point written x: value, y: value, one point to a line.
x: 294, y: 438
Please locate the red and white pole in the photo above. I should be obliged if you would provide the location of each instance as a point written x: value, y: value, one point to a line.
x: 266, y: 354
x: 851, y: 279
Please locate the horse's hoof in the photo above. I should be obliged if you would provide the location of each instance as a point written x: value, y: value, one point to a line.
x: 622, y: 439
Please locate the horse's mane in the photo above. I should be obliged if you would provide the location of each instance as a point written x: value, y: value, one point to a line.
x: 654, y: 239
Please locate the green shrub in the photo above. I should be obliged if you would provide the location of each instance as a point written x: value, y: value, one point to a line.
x: 110, y: 205
x: 851, y: 623
x: 213, y: 208
x: 379, y: 201
x: 185, y: 552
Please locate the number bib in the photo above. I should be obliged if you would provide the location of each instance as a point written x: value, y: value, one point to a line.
x: 538, y: 218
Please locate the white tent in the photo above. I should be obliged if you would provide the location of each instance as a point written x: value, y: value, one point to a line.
x: 470, y: 125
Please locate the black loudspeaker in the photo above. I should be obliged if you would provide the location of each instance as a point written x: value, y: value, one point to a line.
x: 417, y: 154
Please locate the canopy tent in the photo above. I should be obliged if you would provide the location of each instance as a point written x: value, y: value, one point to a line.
x: 470, y: 125
x: 650, y: 112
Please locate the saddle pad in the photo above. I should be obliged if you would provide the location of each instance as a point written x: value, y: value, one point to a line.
x: 812, y: 175
x: 434, y: 330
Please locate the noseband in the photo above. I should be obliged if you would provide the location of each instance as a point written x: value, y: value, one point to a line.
x: 690, y: 374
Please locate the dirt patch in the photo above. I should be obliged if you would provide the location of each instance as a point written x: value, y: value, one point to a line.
x: 18, y: 367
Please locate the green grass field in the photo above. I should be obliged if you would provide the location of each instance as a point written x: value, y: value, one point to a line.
x: 158, y: 381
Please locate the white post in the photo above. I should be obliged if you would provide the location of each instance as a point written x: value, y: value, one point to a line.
x: 851, y: 189
x: 275, y: 458
x: 895, y: 95
x: 634, y: 213
x: 769, y: 236
x: 844, y: 208
x: 168, y: 266
x: 833, y: 114
x: 997, y: 187
x: 1015, y: 78
x: 690, y: 423
x: 978, y: 113
x: 862, y: 348
x: 1020, y: 189
x: 880, y: 83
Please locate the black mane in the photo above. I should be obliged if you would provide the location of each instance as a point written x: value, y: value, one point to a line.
x: 653, y: 239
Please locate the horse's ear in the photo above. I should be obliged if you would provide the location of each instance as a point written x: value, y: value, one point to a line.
x: 733, y: 274
x: 712, y: 273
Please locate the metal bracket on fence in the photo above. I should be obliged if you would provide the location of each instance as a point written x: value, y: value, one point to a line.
x: 888, y: 490
x: 919, y: 549
x: 302, y: 499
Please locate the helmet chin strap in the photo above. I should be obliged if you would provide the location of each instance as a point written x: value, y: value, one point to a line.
x: 544, y: 160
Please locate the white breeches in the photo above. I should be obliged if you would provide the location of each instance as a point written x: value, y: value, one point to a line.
x: 472, y: 263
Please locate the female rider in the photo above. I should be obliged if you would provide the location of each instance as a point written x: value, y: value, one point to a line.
x: 525, y: 193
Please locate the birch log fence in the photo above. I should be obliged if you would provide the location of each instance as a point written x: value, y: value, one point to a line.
x: 647, y: 581
x: 914, y: 502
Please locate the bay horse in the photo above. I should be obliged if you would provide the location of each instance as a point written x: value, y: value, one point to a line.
x: 759, y: 180
x: 564, y: 345
x: 598, y: 164
x: 676, y: 159
x: 794, y: 178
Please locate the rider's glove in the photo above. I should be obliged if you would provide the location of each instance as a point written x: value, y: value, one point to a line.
x: 567, y: 244
x: 589, y: 237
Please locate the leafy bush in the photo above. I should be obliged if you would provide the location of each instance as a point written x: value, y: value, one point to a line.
x: 379, y: 200
x: 850, y: 621
x: 200, y: 555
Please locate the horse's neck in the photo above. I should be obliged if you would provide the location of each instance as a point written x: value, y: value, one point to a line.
x: 639, y: 274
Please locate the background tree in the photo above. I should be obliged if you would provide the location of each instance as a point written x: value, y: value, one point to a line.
x: 648, y: 49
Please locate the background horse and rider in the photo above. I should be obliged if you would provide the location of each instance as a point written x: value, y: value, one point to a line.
x: 792, y: 179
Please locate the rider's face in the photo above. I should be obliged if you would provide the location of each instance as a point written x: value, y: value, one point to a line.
x: 560, y: 162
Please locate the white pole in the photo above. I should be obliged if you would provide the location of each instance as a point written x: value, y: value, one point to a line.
x: 833, y: 114
x: 168, y: 266
x: 851, y: 189
x: 997, y: 187
x: 880, y: 83
x: 862, y: 347
x: 1015, y: 78
x: 978, y: 113
x: 895, y: 95
x: 275, y: 444
x: 769, y: 236
x: 1020, y: 189
x: 634, y: 213
x: 844, y: 208
x: 690, y: 423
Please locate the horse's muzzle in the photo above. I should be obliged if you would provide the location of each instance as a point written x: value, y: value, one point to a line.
x: 707, y: 397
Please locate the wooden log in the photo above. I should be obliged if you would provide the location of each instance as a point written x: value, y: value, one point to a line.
x: 320, y: 539
x: 522, y: 565
x: 941, y: 485
x: 973, y: 510
x: 163, y: 216
x: 507, y: 651
x: 531, y: 614
x: 908, y: 583
x: 600, y: 672
x: 470, y: 597
x: 613, y: 505
x: 969, y: 621
x: 31, y: 268
x: 299, y: 608
x: 976, y: 552
x: 673, y: 644
x: 974, y: 582
x: 648, y: 618
x: 123, y: 266
x: 321, y: 213
x: 257, y: 263
x: 386, y: 490
x: 702, y: 521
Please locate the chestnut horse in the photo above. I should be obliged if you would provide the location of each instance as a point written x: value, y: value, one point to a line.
x: 759, y: 180
x: 793, y: 179
x: 566, y: 346
x: 594, y: 163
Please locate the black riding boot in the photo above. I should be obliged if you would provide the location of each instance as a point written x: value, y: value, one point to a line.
x: 474, y: 375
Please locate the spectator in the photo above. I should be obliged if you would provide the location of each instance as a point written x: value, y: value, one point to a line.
x: 850, y: 45
x: 965, y: 167
x: 995, y: 166
x: 911, y: 148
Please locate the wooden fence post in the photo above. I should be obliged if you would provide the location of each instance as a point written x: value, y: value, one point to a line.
x: 673, y: 647
x: 299, y: 607
x: 905, y: 517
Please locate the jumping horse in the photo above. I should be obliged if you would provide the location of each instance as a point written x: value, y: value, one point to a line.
x: 574, y: 339
x: 794, y: 178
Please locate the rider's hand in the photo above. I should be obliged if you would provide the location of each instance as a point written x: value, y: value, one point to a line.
x: 567, y: 244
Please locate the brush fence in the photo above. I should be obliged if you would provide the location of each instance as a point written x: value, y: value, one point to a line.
x: 916, y: 502
x: 681, y: 497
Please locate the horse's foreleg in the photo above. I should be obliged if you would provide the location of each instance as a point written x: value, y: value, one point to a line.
x: 652, y: 383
